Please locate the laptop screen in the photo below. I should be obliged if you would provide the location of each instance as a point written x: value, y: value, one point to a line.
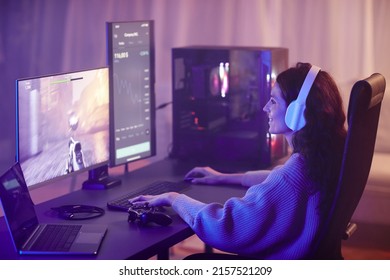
x: 17, y: 205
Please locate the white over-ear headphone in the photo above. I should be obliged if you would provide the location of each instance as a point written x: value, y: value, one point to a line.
x: 295, y: 118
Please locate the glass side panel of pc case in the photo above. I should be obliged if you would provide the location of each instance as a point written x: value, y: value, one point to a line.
x: 218, y: 99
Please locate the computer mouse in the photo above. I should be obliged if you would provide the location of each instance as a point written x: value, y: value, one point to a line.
x: 188, y: 179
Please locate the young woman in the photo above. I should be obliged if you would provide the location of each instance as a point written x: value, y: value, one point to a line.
x: 280, y: 215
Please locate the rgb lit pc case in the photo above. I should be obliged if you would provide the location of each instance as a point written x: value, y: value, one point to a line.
x: 218, y: 99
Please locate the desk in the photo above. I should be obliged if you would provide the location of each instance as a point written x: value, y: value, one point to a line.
x: 124, y: 240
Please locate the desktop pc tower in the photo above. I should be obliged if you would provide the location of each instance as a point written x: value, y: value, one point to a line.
x: 218, y: 99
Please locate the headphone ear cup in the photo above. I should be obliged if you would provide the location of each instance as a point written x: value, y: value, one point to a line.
x: 294, y: 117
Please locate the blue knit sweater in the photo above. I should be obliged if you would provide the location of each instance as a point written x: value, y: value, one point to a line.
x: 276, y: 219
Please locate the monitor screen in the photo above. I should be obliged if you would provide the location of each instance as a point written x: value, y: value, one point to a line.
x: 62, y: 124
x: 130, y: 52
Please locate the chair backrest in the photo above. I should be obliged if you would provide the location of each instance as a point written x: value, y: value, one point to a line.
x: 363, y: 117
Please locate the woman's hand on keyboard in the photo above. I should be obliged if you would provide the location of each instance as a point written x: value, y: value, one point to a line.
x: 160, y: 200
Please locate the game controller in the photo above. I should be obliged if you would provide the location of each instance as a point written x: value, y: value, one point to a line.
x: 144, y: 214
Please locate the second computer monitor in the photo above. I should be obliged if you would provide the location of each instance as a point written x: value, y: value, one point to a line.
x: 130, y: 48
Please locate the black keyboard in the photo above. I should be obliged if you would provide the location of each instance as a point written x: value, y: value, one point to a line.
x: 57, y: 238
x: 158, y: 187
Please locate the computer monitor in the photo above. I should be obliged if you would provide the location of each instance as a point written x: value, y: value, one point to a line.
x: 130, y: 53
x: 63, y: 125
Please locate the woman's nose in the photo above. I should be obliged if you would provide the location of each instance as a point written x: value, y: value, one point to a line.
x: 266, y: 107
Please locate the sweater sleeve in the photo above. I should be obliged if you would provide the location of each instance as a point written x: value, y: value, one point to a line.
x: 266, y: 219
x: 251, y: 178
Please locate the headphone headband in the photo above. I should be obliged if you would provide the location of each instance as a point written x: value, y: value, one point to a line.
x: 307, y: 84
x: 295, y: 118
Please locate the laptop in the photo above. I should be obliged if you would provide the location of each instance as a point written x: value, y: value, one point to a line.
x: 29, y: 235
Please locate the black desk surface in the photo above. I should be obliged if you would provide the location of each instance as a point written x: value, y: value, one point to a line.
x: 124, y: 240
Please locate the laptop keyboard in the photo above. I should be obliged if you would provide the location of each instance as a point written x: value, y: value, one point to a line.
x: 158, y: 187
x: 56, y: 238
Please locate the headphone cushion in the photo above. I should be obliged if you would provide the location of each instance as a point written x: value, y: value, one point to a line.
x: 294, y: 117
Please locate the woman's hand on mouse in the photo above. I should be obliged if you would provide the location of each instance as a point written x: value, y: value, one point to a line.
x: 209, y: 176
x: 203, y: 175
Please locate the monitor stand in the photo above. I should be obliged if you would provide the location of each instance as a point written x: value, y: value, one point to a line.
x: 98, y: 179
